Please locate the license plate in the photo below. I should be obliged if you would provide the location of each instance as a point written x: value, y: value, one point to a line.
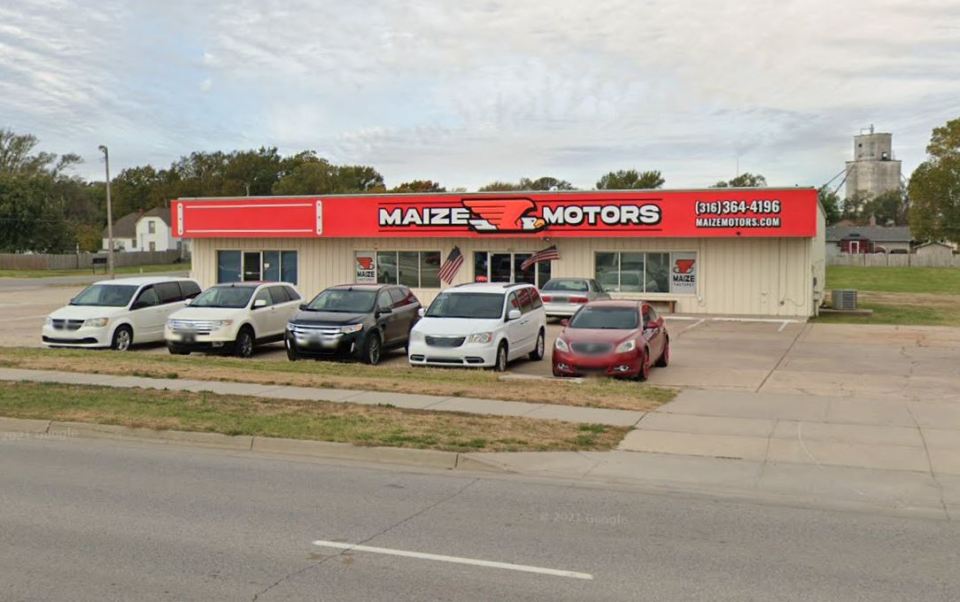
x: 188, y: 337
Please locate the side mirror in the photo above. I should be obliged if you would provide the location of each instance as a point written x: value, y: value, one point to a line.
x: 652, y: 325
x: 421, y: 312
x: 303, y: 306
x: 384, y: 311
x: 259, y: 303
x: 565, y: 322
x: 513, y: 314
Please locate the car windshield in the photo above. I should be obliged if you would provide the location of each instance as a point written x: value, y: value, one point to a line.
x: 481, y: 306
x: 106, y: 295
x: 344, y: 300
x: 224, y: 296
x: 573, y: 286
x: 606, y: 318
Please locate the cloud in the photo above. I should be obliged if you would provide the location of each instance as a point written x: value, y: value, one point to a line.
x: 468, y: 92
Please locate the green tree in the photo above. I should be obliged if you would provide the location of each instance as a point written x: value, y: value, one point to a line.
x: 934, y: 188
x: 888, y: 208
x: 306, y: 174
x: 831, y: 205
x: 744, y: 180
x: 419, y: 186
x: 545, y: 183
x: 31, y: 219
x: 358, y: 179
x: 630, y: 179
x: 89, y: 237
x: 499, y: 186
x: 17, y: 158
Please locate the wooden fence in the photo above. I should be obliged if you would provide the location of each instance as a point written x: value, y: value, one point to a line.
x: 900, y: 260
x: 16, y: 261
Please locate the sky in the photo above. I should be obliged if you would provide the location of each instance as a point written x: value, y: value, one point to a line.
x: 466, y: 92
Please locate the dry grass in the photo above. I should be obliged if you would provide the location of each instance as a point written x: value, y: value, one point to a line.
x: 322, y: 421
x: 598, y: 393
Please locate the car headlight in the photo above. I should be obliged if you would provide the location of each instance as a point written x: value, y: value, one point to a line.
x: 290, y: 325
x: 48, y: 321
x: 96, y: 322
x: 351, y: 328
x: 626, y: 346
x: 222, y: 324
x: 481, y: 337
x: 561, y: 345
x: 416, y: 335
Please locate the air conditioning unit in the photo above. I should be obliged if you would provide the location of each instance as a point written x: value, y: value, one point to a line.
x: 844, y: 299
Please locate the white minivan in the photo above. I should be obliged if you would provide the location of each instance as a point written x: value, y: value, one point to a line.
x: 481, y: 325
x: 118, y: 313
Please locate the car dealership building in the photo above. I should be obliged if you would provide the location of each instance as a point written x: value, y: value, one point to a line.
x: 729, y: 251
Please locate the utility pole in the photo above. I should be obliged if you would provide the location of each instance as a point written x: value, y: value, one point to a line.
x: 106, y: 160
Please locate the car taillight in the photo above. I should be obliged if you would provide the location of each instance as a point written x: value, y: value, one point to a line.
x: 579, y: 300
x: 546, y: 298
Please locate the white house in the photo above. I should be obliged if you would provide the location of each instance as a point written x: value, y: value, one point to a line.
x: 124, y: 233
x: 153, y: 231
x: 144, y: 231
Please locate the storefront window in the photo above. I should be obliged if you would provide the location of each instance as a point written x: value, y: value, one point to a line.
x: 416, y: 269
x: 505, y: 267
x: 633, y: 272
x: 236, y: 266
x: 430, y: 269
x: 271, y: 265
x: 608, y: 270
x: 229, y: 266
x: 408, y: 268
x: 658, y: 273
x: 288, y: 266
x: 387, y: 267
x: 519, y: 275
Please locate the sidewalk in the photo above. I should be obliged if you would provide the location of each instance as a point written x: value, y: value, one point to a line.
x: 490, y: 407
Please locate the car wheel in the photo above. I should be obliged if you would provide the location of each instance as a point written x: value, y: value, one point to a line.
x: 664, y: 358
x: 372, y: 349
x: 177, y: 350
x: 122, y: 338
x: 292, y: 354
x: 537, y: 353
x: 243, y: 346
x: 500, y: 365
x: 644, y: 372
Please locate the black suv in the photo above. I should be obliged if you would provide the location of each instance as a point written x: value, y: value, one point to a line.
x: 358, y: 320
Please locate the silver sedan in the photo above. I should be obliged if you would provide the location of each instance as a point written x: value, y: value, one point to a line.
x: 562, y: 297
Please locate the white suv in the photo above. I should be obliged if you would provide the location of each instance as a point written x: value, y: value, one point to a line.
x: 234, y: 317
x: 482, y: 325
x: 118, y: 313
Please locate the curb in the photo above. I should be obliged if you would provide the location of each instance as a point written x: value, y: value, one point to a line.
x: 427, y: 458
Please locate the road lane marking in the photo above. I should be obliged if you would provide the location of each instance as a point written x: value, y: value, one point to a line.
x: 454, y: 559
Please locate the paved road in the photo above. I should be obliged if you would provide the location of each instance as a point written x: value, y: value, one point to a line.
x: 92, y: 520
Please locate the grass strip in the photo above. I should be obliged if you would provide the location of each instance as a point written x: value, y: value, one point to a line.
x: 128, y: 270
x: 314, y: 420
x: 447, y: 382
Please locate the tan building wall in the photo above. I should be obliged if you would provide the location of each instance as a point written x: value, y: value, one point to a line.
x: 744, y: 276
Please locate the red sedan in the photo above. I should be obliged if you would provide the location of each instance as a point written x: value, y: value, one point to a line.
x: 616, y: 338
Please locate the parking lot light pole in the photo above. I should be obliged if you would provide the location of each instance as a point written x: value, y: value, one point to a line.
x: 106, y: 161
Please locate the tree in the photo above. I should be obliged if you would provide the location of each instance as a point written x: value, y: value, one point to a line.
x: 15, y: 157
x: 30, y: 218
x: 935, y: 199
x: 887, y: 208
x: 307, y: 174
x: 831, y: 205
x: 744, y: 180
x: 934, y: 188
x: 89, y: 238
x: 630, y: 179
x: 499, y: 186
x: 545, y: 183
x: 358, y: 178
x: 419, y: 186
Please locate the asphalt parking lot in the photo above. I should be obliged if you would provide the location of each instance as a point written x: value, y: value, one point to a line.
x: 902, y: 362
